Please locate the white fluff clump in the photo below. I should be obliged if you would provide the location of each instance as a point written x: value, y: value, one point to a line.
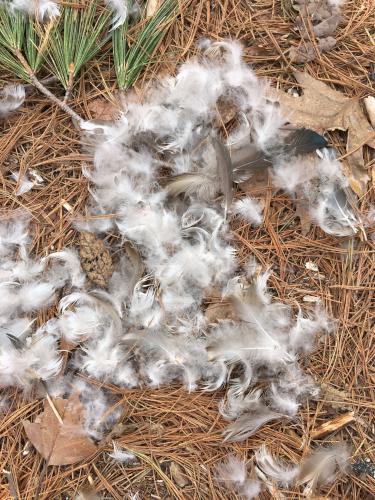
x: 323, y: 466
x: 11, y: 98
x: 43, y: 10
x: 27, y: 287
x: 38, y: 358
x: 322, y: 183
x: 122, y: 456
x: 121, y: 10
x: 233, y: 473
x: 282, y: 474
x: 149, y: 327
x: 183, y: 239
x: 249, y: 210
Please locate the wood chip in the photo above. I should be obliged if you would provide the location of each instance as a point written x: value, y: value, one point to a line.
x: 370, y: 108
x: 96, y: 260
x: 333, y: 425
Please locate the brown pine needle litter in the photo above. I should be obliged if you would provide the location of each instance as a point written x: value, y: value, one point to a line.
x: 169, y: 425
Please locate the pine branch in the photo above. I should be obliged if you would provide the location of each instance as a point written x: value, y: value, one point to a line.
x: 39, y: 85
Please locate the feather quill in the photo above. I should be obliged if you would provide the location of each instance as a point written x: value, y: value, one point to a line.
x: 225, y: 171
x: 201, y: 185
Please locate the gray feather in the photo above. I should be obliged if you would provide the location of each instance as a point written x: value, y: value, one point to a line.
x: 225, y: 171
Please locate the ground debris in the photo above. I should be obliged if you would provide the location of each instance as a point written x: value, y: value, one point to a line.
x: 178, y: 475
x: 322, y: 108
x: 60, y: 438
x: 96, y: 260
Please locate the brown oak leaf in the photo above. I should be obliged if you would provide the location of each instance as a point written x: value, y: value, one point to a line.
x: 96, y: 260
x: 60, y: 443
x: 322, y: 108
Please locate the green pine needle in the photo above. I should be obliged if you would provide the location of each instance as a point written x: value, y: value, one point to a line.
x: 120, y: 51
x: 76, y: 40
x: 12, y: 36
x: 129, y: 62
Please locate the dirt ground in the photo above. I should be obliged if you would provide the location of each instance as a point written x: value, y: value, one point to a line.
x: 169, y: 425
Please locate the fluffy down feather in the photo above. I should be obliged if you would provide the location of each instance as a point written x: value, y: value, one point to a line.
x: 233, y: 473
x: 323, y: 466
x: 249, y: 210
x: 43, y: 10
x: 282, y: 474
x: 120, y: 10
x: 11, y: 98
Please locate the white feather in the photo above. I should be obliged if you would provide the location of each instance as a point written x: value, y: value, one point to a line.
x: 120, y: 9
x: 72, y: 266
x: 34, y: 296
x: 282, y: 474
x: 249, y: 210
x: 233, y: 473
x: 43, y: 10
x: 122, y: 456
x: 24, y: 183
x: 11, y: 98
x: 323, y: 466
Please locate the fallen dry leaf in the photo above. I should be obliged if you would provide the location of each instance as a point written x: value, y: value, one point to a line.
x: 101, y: 109
x: 178, y: 475
x: 322, y: 108
x: 96, y: 260
x: 60, y: 443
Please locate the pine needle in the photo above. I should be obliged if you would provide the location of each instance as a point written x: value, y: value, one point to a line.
x: 76, y: 39
x: 130, y: 62
x: 12, y: 36
x: 120, y: 51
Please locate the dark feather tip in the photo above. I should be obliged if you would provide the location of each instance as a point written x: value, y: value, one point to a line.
x: 304, y: 141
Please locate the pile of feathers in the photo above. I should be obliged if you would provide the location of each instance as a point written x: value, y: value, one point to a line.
x: 162, y: 180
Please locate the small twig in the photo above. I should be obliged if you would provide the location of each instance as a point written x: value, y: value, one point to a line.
x: 34, y: 80
x: 46, y: 81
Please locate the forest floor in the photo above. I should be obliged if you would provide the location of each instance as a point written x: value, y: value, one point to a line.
x: 170, y: 425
